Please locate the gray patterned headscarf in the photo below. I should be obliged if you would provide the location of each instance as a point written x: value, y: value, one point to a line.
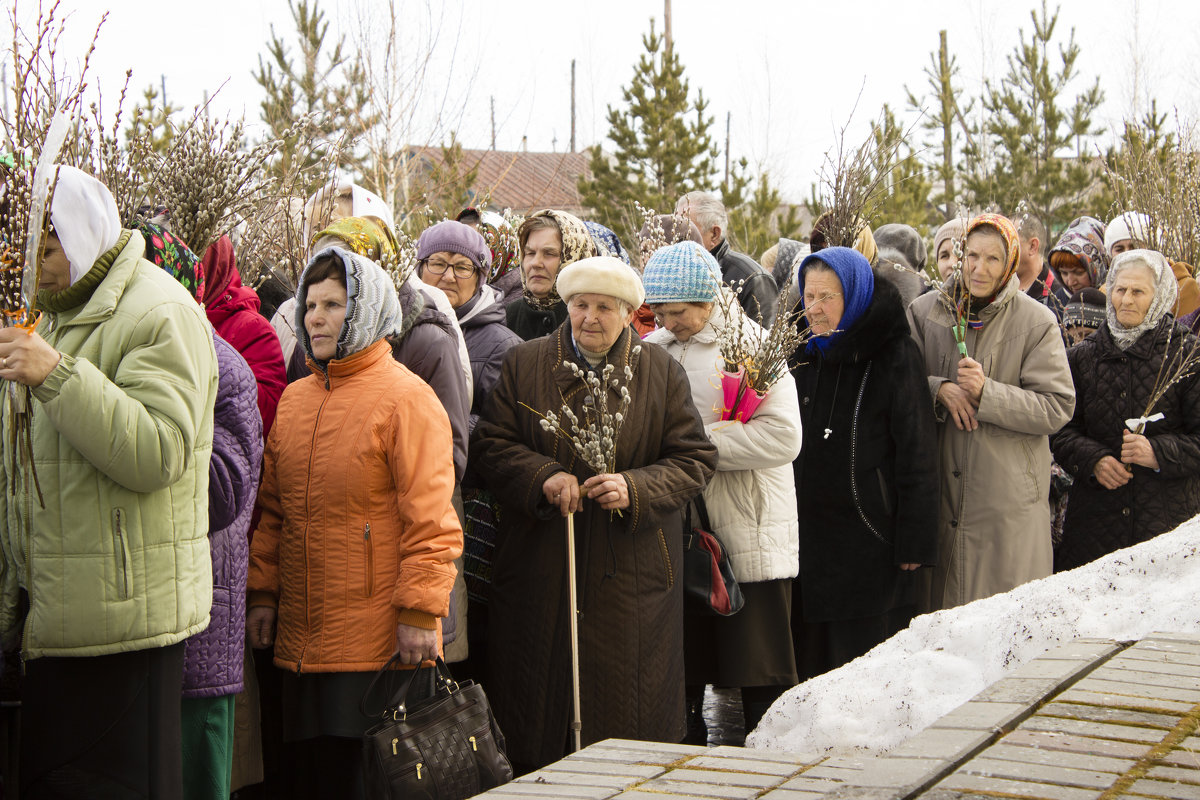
x: 1165, y: 292
x: 372, y: 307
x: 577, y: 244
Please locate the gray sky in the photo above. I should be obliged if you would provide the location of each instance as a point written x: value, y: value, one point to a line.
x: 790, y: 72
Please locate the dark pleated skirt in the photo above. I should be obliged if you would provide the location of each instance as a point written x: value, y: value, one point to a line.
x: 751, y: 648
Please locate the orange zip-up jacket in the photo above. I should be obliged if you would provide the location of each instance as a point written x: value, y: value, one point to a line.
x: 358, y: 532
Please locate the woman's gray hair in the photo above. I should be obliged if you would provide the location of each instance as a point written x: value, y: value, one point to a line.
x: 706, y: 209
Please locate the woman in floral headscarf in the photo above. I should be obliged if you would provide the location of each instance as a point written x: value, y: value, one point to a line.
x: 998, y: 397
x: 550, y: 240
x: 1079, y: 257
x: 1130, y: 485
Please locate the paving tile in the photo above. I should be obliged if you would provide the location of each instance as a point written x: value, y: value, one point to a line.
x: 1142, y: 654
x: 562, y: 777
x: 782, y: 756
x: 638, y: 771
x: 896, y: 772
x: 1099, y: 730
x: 1057, y: 758
x: 838, y: 774
x: 1182, y: 774
x: 543, y: 790
x: 1111, y: 715
x: 1014, y: 770
x: 788, y: 794
x: 866, y: 793
x: 726, y: 791
x: 1146, y: 677
x: 1167, y: 646
x: 1132, y: 701
x: 979, y: 783
x: 1177, y: 791
x: 1173, y: 693
x: 647, y: 747
x: 943, y: 743
x: 1017, y: 690
x: 781, y: 769
x: 848, y: 762
x: 619, y: 756
x: 1047, y: 667
x: 1070, y: 743
x: 637, y: 794
x: 721, y: 777
x: 1124, y: 663
x: 808, y: 783
x: 1182, y: 758
x: 1190, y: 743
x: 1171, y: 636
x: 982, y: 716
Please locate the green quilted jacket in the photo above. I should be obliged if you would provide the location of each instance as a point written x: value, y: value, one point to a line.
x: 118, y: 558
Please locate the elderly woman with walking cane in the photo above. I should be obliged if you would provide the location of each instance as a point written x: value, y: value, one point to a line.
x: 626, y: 523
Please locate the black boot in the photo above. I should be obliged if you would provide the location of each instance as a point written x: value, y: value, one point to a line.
x: 697, y: 729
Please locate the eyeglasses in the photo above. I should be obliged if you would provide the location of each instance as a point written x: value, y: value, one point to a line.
x: 460, y: 270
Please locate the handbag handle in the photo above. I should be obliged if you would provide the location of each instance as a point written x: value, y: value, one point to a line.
x: 399, y: 701
x: 701, y: 512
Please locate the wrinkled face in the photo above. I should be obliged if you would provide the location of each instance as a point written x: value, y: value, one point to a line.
x: 1132, y: 293
x: 1075, y: 276
x: 324, y: 315
x: 1122, y: 246
x: 597, y: 320
x: 446, y: 271
x: 946, y: 258
x: 984, y: 263
x: 684, y: 320
x: 541, y: 260
x: 56, y: 269
x: 823, y: 301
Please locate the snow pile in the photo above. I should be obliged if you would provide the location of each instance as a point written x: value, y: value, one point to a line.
x: 876, y: 702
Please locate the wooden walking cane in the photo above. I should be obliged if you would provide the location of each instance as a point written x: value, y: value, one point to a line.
x: 577, y: 721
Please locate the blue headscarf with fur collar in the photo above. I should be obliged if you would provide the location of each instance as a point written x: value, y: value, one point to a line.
x: 858, y: 287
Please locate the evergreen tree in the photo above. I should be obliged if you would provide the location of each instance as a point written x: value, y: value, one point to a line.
x: 906, y: 198
x: 758, y: 220
x: 1040, y: 144
x: 324, y: 83
x: 944, y: 119
x: 659, y: 154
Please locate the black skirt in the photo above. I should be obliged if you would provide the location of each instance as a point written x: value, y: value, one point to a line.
x: 751, y: 648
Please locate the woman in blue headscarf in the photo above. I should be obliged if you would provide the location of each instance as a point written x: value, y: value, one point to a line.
x: 866, y: 477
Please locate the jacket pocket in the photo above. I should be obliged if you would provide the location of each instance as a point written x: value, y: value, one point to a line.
x: 666, y: 554
x: 369, y: 560
x: 121, y: 554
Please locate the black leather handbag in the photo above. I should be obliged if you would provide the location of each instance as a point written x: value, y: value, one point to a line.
x: 708, y: 582
x: 444, y: 747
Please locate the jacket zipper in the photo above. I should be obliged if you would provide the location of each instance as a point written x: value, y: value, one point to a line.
x: 308, y: 516
x: 121, y: 551
x: 370, y: 559
x: 862, y: 388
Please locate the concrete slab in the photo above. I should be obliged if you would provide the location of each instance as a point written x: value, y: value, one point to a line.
x: 726, y: 763
x: 1172, y: 693
x: 1057, y: 758
x: 1181, y: 774
x: 721, y: 778
x: 1042, y: 773
x: 1111, y: 672
x: 781, y: 756
x: 1098, y: 730
x: 559, y: 777
x: 1026, y: 691
x: 977, y: 783
x: 1083, y: 745
x: 983, y: 716
x: 701, y: 789
x: 1110, y: 715
x: 1132, y: 702
x: 943, y: 744
x: 544, y: 790
x: 1175, y: 791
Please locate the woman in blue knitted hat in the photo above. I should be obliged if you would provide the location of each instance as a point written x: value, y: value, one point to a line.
x: 866, y: 480
x: 750, y: 500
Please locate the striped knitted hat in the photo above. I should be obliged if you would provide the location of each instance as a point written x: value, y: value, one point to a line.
x: 683, y: 272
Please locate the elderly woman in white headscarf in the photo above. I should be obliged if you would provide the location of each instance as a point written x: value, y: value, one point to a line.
x: 1133, y: 444
x: 104, y: 555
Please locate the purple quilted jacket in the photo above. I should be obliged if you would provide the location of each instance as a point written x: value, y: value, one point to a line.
x: 213, y: 657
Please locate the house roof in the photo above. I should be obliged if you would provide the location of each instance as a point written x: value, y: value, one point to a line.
x: 523, y: 181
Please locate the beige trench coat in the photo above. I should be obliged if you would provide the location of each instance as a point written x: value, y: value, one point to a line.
x: 994, y: 518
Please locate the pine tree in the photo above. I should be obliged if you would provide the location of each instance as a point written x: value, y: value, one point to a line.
x: 945, y: 121
x: 906, y: 199
x: 757, y: 221
x: 323, y: 82
x: 659, y: 153
x: 1041, y: 144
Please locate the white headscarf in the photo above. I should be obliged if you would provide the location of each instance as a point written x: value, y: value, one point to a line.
x: 1165, y: 292
x: 363, y: 203
x: 1130, y: 225
x: 85, y: 219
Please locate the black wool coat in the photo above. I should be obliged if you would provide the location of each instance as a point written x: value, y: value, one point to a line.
x: 1111, y: 386
x: 628, y: 566
x: 866, y: 478
x: 531, y: 323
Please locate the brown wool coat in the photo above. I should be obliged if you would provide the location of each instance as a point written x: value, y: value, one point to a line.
x: 629, y: 567
x: 994, y: 518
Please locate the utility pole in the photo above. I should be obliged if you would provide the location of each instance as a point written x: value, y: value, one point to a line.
x: 493, y: 122
x: 572, y: 105
x: 728, y: 118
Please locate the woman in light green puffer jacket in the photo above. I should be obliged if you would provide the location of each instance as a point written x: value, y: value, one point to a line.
x: 106, y: 580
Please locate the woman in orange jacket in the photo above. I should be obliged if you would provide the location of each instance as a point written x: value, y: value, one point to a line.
x: 353, y: 559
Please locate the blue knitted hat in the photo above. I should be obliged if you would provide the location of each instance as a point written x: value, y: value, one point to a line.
x: 683, y: 272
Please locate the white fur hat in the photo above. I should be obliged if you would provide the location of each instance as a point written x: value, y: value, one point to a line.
x: 1130, y: 225
x: 601, y: 275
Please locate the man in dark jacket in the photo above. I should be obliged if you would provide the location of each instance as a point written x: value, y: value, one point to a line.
x: 757, y: 293
x: 1037, y: 280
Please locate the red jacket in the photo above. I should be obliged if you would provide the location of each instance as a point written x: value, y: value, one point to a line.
x: 357, y: 532
x: 233, y: 310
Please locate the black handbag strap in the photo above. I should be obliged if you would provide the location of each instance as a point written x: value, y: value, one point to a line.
x: 701, y: 512
x: 398, y: 705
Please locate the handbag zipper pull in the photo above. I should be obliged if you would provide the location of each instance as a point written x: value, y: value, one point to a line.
x: 394, y: 743
x: 419, y: 765
x: 473, y: 745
